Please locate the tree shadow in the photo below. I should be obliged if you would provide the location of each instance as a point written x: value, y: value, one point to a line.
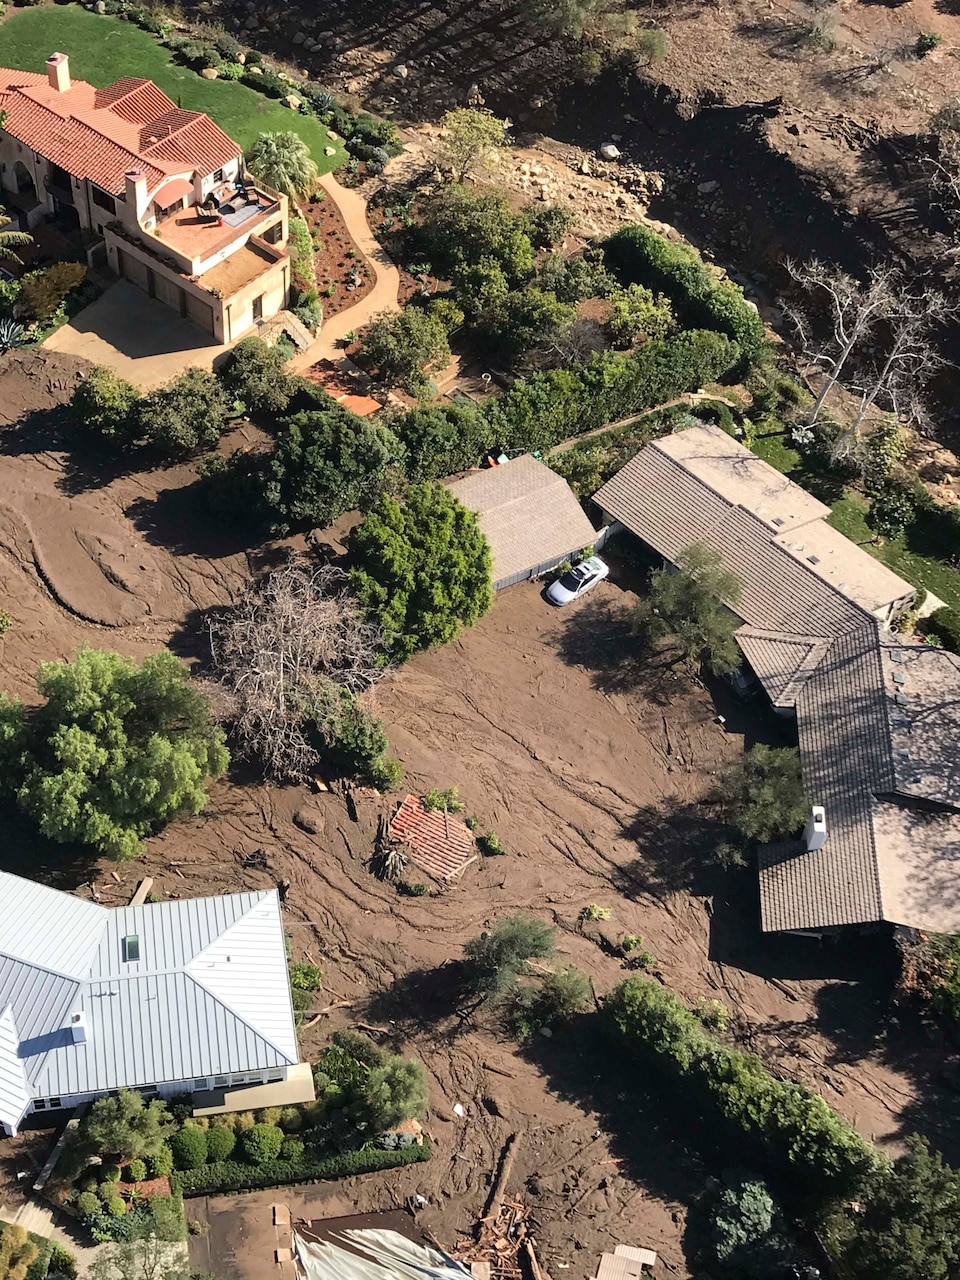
x: 180, y: 521
x: 677, y: 841
x: 25, y: 852
x: 599, y: 637
x: 428, y: 1002
x: 38, y: 431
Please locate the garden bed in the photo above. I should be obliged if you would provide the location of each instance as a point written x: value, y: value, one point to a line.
x: 338, y: 263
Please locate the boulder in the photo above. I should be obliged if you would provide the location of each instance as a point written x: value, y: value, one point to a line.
x: 242, y: 58
x: 610, y: 151
x: 100, y: 7
x: 292, y: 101
x: 309, y: 819
x: 402, y: 71
x: 209, y: 73
x: 299, y: 37
x: 707, y: 188
x: 329, y: 151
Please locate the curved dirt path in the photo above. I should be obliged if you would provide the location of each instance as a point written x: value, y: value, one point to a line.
x: 383, y: 296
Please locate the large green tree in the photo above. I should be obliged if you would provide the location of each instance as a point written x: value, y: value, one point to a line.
x: 326, y: 461
x: 126, y: 1126
x: 116, y: 751
x: 422, y: 569
x: 402, y: 346
x: 283, y: 161
x: 906, y: 1223
x: 255, y: 372
x: 685, y: 610
x: 105, y: 405
x: 764, y: 794
x: 470, y: 140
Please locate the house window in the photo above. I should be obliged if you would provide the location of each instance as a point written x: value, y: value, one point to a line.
x: 40, y: 1104
x: 274, y: 1075
x: 54, y: 1104
x: 218, y: 176
x: 220, y: 1081
x: 103, y: 200
x: 273, y: 234
x: 200, y: 1084
x: 169, y: 211
x: 131, y: 947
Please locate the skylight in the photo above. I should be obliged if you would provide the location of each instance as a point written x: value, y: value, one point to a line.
x: 131, y: 947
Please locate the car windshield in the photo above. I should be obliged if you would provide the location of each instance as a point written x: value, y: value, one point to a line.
x: 575, y: 577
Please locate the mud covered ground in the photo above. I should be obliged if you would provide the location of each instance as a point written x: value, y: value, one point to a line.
x: 591, y: 771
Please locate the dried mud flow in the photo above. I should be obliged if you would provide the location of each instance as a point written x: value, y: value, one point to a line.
x: 591, y: 770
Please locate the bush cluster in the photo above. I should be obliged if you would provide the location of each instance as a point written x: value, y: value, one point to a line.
x: 785, y: 1126
x: 230, y: 1176
x: 945, y: 623
x: 188, y: 414
x: 638, y: 255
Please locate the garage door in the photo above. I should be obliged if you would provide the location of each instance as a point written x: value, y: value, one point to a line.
x: 200, y: 313
x: 132, y: 270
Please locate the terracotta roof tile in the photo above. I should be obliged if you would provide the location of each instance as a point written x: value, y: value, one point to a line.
x: 439, y: 843
x: 100, y: 134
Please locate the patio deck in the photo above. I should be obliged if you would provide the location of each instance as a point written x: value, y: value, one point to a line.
x: 196, y: 233
x: 240, y: 269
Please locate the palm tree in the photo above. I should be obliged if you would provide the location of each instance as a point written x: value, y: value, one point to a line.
x: 283, y: 161
x: 9, y: 238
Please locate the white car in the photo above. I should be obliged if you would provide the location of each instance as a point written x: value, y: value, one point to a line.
x: 572, y: 584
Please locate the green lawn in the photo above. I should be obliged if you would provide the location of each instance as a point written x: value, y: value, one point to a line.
x: 103, y: 49
x: 911, y: 555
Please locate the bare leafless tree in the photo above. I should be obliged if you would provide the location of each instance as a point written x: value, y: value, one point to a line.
x: 283, y: 655
x: 941, y: 160
x: 894, y: 374
x: 854, y: 310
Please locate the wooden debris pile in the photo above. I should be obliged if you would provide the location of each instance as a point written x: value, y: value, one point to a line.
x: 503, y: 1245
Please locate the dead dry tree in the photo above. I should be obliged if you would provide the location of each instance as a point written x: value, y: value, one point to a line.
x: 286, y: 656
x: 940, y: 161
x: 873, y: 337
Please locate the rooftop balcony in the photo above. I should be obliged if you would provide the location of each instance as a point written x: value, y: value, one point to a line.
x: 200, y: 232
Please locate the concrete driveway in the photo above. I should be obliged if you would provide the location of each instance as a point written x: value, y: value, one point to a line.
x: 136, y: 336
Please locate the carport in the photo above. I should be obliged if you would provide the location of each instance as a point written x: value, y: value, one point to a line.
x: 529, y: 515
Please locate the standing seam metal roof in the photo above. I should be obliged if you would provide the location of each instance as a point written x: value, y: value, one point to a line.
x: 208, y: 996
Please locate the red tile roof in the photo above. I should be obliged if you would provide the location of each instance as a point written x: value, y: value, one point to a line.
x: 439, y: 843
x: 101, y: 133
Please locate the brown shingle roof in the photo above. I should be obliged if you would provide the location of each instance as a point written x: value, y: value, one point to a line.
x: 528, y: 514
x: 100, y: 134
x: 808, y: 601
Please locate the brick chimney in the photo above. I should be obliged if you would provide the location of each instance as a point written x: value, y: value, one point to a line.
x: 58, y: 72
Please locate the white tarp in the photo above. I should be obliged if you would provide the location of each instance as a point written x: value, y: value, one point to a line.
x: 387, y: 1256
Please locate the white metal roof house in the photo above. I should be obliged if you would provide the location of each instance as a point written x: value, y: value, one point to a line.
x: 878, y: 716
x: 167, y: 998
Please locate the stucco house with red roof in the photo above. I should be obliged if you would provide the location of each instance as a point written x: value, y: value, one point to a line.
x: 162, y: 192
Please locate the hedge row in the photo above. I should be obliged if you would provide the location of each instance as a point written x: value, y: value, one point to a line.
x: 788, y: 1128
x: 540, y: 411
x: 637, y: 255
x: 231, y: 1176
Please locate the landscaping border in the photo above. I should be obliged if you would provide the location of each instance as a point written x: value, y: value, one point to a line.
x: 229, y: 1175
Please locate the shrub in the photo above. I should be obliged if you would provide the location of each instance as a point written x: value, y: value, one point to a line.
x: 945, y: 623
x: 303, y: 276
x: 416, y: 890
x: 243, y: 1121
x: 116, y: 1206
x: 230, y: 1176
x: 539, y: 412
x: 123, y: 1125
x: 783, y: 1125
x: 561, y: 995
x: 42, y: 292
x: 110, y: 1173
x: 651, y: 46
x: 548, y: 224
x: 712, y: 1014
x: 359, y: 1047
x: 87, y: 1202
x: 637, y: 314
x: 220, y: 1143
x: 400, y: 346
x: 892, y: 509
x: 161, y: 1162
x: 136, y: 1171
x: 442, y: 798
x: 262, y: 1143
x: 422, y: 569
x: 291, y: 1120
x: 442, y: 439
x: 255, y: 372
x: 310, y: 314
x: 489, y: 844
x: 494, y: 960
x: 304, y: 977
x: 395, y: 1092
x: 163, y: 747
x: 105, y: 404
x: 189, y: 1147
x: 188, y: 414
x: 638, y: 255
x: 291, y: 1149
x: 926, y: 42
